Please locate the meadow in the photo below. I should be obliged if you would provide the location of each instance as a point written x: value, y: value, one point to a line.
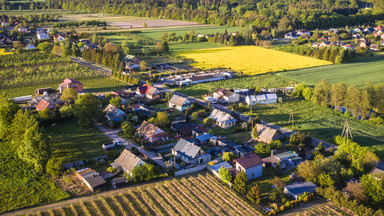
x: 194, y: 195
x: 321, y: 122
x: 357, y: 73
x: 246, y: 82
x: 71, y: 142
x: 250, y: 60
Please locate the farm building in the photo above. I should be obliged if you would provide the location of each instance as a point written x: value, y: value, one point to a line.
x: 223, y: 119
x: 190, y: 153
x: 296, y: 189
x: 40, y: 91
x: 118, y: 182
x: 287, y: 160
x: 91, y: 178
x: 127, y: 161
x: 151, y: 132
x: 266, y: 98
x: 251, y: 164
x: 114, y: 114
x: 71, y: 83
x: 178, y: 102
x: 23, y: 99
x: 251, y: 100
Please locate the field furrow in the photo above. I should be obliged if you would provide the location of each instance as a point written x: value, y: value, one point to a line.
x: 119, y: 207
x: 128, y: 204
x: 175, y: 204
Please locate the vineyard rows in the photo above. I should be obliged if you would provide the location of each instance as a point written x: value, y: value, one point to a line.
x: 323, y: 209
x: 191, y: 196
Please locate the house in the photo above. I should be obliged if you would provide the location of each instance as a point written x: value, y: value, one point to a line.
x: 151, y: 132
x: 203, y: 139
x: 291, y: 35
x: 266, y: 98
x: 114, y: 114
x: 22, y: 29
x: 251, y: 100
x: 374, y: 47
x: 365, y: 44
x: 334, y: 30
x: 42, y: 36
x: 142, y: 90
x: 52, y: 99
x: 267, y: 134
x: 349, y: 46
x: 287, y: 160
x: 122, y: 93
x: 251, y: 165
x: 199, y: 130
x: 190, y: 153
x: 127, y: 161
x: 43, y: 104
x: 91, y: 178
x: 224, y: 95
x: 223, y: 119
x: 182, y: 128
x: 30, y: 47
x: 71, y: 83
x: 379, y: 28
x: 131, y: 60
x: 243, y: 150
x: 178, y: 102
x: 296, y: 189
x: 58, y: 38
x: 154, y: 93
x: 304, y: 33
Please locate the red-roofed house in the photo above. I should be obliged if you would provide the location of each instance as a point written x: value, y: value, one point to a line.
x: 142, y: 90
x: 379, y: 28
x: 251, y: 164
x: 71, y: 83
x: 43, y: 104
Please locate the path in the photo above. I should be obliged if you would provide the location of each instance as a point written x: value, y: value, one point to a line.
x: 114, y: 134
x: 91, y: 65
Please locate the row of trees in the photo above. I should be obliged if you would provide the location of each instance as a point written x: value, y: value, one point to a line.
x: 77, y: 24
x: 125, y: 78
x: 29, y: 18
x: 358, y: 102
x: 108, y: 56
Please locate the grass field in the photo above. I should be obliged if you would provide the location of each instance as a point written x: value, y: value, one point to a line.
x: 72, y: 142
x: 20, y: 186
x: 358, y: 73
x: 250, y: 59
x: 321, y: 122
x: 262, y: 81
x: 194, y: 195
x: 155, y: 34
x: 193, y: 46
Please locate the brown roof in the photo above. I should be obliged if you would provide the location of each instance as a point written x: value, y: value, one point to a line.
x: 177, y: 100
x: 149, y: 129
x: 68, y: 81
x: 42, y: 105
x: 95, y: 181
x: 127, y: 160
x: 249, y: 161
x: 266, y: 133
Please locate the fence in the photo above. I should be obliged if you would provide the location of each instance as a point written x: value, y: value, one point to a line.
x: 191, y: 170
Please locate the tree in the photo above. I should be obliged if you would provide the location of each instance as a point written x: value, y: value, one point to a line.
x: 57, y: 50
x: 255, y: 133
x: 165, y: 46
x: 208, y: 122
x: 194, y: 116
x: 86, y: 108
x: 373, y: 187
x: 54, y: 166
x: 162, y: 119
x: 8, y: 109
x: 309, y: 171
x: 144, y: 24
x: 69, y: 95
x: 365, y: 104
x: 321, y: 92
x: 325, y: 180
x: 320, y: 147
x: 144, y: 66
x: 356, y: 191
x: 228, y: 156
x: 353, y: 99
x: 75, y: 50
x: 338, y: 93
x: 254, y: 194
x: 128, y: 129
x: 34, y: 149
x: 225, y: 175
x: 240, y: 182
x: 117, y: 102
x: 110, y: 48
x: 66, y: 46
x: 45, y: 46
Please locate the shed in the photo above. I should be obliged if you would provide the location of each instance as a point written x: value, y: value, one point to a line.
x: 203, y: 139
x: 296, y: 189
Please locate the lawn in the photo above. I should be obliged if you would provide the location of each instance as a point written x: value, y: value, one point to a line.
x: 20, y: 186
x: 323, y: 123
x: 72, y: 142
x: 193, y: 46
x: 358, y: 73
x: 250, y: 60
x: 262, y: 81
x: 155, y: 34
x: 265, y: 181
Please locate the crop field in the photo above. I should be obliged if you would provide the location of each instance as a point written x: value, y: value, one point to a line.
x: 321, y: 122
x: 194, y: 195
x: 250, y: 60
x: 315, y: 208
x: 262, y: 81
x: 21, y: 74
x: 358, y: 73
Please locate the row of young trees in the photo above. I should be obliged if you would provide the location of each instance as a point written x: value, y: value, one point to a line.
x: 77, y: 24
x: 358, y: 102
x: 29, y: 18
x: 107, y: 57
x: 125, y: 78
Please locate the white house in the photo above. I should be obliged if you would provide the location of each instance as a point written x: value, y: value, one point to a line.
x: 251, y: 100
x: 42, y: 36
x: 252, y: 165
x: 190, y: 153
x: 179, y: 103
x: 127, y: 161
x: 30, y: 47
x: 266, y: 98
x: 291, y: 35
x: 224, y: 95
x: 223, y: 119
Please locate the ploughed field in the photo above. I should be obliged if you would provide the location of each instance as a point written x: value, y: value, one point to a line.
x: 250, y: 60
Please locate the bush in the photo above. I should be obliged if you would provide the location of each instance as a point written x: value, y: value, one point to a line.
x: 111, y: 169
x: 54, y: 166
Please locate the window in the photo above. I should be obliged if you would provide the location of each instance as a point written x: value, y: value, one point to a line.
x: 253, y: 174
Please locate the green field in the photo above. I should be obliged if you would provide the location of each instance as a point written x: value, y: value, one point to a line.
x: 155, y: 34
x: 323, y: 123
x: 262, y: 81
x: 192, y: 46
x: 358, y: 73
x: 72, y: 142
x: 20, y: 186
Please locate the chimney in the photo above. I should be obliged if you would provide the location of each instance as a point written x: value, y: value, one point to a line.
x: 272, y: 153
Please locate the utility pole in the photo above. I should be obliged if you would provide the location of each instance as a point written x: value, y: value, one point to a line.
x: 291, y: 118
x: 347, y: 131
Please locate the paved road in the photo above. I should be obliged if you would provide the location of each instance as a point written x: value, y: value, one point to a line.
x: 114, y: 134
x: 88, y: 64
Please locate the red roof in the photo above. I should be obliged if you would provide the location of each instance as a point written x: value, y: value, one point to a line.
x: 68, y: 81
x: 249, y: 161
x: 143, y: 89
x: 42, y: 105
x: 381, y: 28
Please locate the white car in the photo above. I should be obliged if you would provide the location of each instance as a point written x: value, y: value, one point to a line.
x: 211, y: 99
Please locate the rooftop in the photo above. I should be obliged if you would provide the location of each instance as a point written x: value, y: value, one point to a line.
x: 249, y: 161
x: 300, y: 188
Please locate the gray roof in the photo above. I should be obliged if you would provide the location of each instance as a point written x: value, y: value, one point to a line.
x: 127, y: 160
x: 221, y: 116
x: 95, y: 181
x: 178, y: 100
x: 113, y: 111
x: 267, y: 133
x: 299, y: 188
x: 378, y: 169
x: 187, y: 148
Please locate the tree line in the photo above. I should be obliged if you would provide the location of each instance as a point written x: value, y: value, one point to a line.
x: 77, y: 24
x: 29, y: 18
x: 359, y: 103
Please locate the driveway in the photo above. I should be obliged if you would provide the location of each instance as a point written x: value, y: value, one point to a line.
x: 114, y: 134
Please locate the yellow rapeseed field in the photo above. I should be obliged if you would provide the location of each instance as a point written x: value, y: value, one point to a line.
x: 250, y: 60
x: 3, y: 52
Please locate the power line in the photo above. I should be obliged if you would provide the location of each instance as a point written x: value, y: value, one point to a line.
x: 347, y: 133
